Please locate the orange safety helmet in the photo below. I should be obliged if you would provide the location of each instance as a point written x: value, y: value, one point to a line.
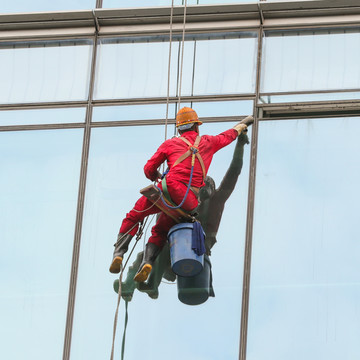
x: 186, y: 117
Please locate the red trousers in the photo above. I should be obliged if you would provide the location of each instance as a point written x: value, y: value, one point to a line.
x: 144, y: 207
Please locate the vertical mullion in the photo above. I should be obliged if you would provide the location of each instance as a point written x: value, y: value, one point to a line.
x: 80, y: 210
x: 250, y: 208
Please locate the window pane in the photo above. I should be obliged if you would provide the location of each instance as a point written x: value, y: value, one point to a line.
x: 311, y: 61
x: 138, y: 67
x: 305, y: 293
x: 40, y: 5
x: 115, y: 176
x: 48, y: 116
x: 135, y: 70
x: 158, y: 111
x: 44, y: 71
x: 133, y: 112
x: 222, y: 108
x: 273, y: 99
x: 214, y: 58
x: 39, y: 187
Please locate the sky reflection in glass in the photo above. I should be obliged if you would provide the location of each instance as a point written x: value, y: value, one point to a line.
x: 139, y: 69
x: 114, y: 179
x: 44, y: 71
x: 19, y: 6
x: 311, y: 61
x: 305, y: 283
x: 39, y: 188
x: 42, y: 116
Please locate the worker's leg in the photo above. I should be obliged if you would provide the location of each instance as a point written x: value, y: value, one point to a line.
x: 143, y: 207
x: 155, y: 243
x: 163, y: 224
x: 128, y: 229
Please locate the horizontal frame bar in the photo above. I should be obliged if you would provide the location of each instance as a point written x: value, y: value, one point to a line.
x: 272, y: 15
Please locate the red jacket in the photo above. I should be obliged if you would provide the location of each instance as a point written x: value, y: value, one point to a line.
x: 173, y: 148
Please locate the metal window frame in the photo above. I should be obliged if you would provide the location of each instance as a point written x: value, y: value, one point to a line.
x: 255, y: 17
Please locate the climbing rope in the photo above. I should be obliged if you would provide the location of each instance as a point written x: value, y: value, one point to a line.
x: 141, y: 211
x: 182, y: 53
x: 122, y: 269
x: 169, y: 64
x: 169, y: 68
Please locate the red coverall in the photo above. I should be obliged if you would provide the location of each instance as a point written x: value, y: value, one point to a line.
x: 177, y: 179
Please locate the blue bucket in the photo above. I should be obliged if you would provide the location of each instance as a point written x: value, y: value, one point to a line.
x: 184, y: 260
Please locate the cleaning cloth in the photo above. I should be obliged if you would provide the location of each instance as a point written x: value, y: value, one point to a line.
x: 198, y: 239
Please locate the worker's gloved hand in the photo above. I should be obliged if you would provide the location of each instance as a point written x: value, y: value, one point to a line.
x: 240, y: 128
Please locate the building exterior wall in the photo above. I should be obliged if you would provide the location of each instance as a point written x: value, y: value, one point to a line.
x: 83, y: 101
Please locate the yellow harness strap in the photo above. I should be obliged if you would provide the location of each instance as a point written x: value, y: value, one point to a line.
x: 190, y: 152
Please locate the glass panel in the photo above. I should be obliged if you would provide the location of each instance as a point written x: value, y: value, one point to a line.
x: 39, y: 188
x: 44, y: 71
x: 222, y: 108
x: 311, y: 60
x: 43, y: 116
x: 139, y: 68
x: 158, y: 111
x: 133, y: 112
x: 214, y: 58
x: 115, y: 175
x: 204, y: 2
x: 135, y: 70
x: 305, y: 283
x: 273, y: 99
x: 41, y: 5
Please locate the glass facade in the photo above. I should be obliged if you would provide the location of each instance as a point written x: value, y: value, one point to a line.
x: 45, y: 71
x: 80, y: 114
x: 304, y: 283
x: 124, y: 64
x: 110, y: 194
x: 39, y: 186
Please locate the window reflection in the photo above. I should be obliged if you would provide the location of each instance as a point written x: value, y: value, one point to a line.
x: 133, y: 112
x: 44, y: 71
x: 39, y: 188
x: 213, y: 60
x: 40, y: 5
x: 43, y: 116
x: 158, y: 111
x: 114, y: 178
x: 304, y: 276
x: 138, y: 67
x: 311, y: 60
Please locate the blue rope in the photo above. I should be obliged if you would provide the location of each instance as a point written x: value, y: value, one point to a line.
x: 185, y: 196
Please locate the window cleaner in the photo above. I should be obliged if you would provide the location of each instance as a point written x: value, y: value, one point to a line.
x: 177, y: 152
x: 212, y: 201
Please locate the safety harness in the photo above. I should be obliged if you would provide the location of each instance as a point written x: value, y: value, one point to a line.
x: 193, y: 150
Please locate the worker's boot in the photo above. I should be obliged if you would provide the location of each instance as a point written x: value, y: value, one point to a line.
x: 121, y: 247
x: 150, y: 254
